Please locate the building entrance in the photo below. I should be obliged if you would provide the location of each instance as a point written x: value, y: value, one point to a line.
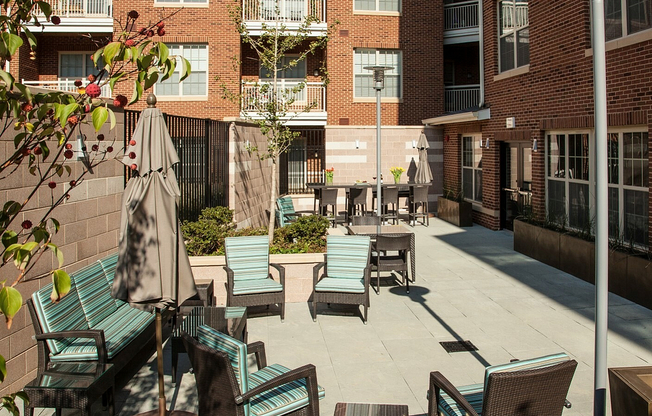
x: 515, y: 181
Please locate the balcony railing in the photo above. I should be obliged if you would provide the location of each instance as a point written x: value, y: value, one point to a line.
x: 313, y: 94
x: 82, y: 8
x: 461, y: 97
x: 461, y: 15
x: 293, y: 11
x: 64, y: 85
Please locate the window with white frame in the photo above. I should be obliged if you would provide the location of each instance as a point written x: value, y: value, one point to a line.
x: 625, y: 17
x: 364, y: 78
x: 377, y: 5
x: 472, y: 167
x: 75, y: 65
x: 196, y: 84
x: 513, y: 34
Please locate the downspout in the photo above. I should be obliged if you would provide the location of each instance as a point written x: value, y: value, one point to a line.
x: 481, y: 53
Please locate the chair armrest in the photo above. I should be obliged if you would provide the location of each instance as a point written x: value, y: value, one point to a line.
x: 281, y: 272
x: 308, y: 371
x: 315, y: 272
x: 258, y: 348
x: 367, y: 276
x: 229, y: 279
x: 96, y: 334
x: 439, y: 382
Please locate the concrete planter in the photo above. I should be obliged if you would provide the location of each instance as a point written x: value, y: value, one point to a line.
x: 630, y: 276
x: 457, y: 213
x: 298, y: 274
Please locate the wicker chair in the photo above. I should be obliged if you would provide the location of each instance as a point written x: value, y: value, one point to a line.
x: 532, y: 387
x: 398, y: 247
x: 390, y: 197
x: 226, y: 388
x: 328, y: 198
x: 419, y: 198
x: 248, y: 281
x: 357, y: 201
x: 285, y: 213
x: 365, y: 220
x: 347, y: 273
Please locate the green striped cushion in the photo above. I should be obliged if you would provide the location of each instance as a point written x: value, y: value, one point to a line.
x: 472, y: 393
x: 347, y: 256
x: 243, y: 287
x: 94, y: 293
x: 62, y: 316
x: 125, y: 324
x: 234, y: 349
x: 109, y: 264
x: 330, y: 284
x: 248, y: 256
x: 530, y: 364
x: 279, y: 400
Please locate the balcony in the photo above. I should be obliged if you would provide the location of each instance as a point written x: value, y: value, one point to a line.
x: 461, y: 23
x: 461, y: 97
x: 290, y: 13
x: 313, y: 92
x: 66, y: 85
x: 86, y: 16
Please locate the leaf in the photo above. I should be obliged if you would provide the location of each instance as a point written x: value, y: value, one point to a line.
x: 97, y: 56
x: 138, y: 92
x: 12, y: 207
x: 12, y: 41
x: 57, y: 252
x: 151, y: 78
x: 3, y: 369
x: 66, y: 112
x: 7, y: 78
x: 9, y: 237
x: 100, y: 115
x: 163, y: 52
x: 141, y: 47
x: 170, y: 66
x: 112, y: 118
x: 145, y: 62
x: 110, y: 52
x: 115, y: 78
x: 185, y: 68
x: 60, y: 285
x: 10, y: 303
x: 10, y: 251
x: 30, y: 36
x: 45, y: 8
x: 26, y: 92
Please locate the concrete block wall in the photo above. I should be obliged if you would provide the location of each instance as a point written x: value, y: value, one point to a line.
x: 89, y: 230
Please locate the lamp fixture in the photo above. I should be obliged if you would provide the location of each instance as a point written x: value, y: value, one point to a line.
x: 357, y: 143
x: 484, y: 144
x: 316, y: 72
x: 414, y: 144
x: 535, y: 145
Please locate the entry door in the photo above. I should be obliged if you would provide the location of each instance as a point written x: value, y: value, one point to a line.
x: 516, y: 182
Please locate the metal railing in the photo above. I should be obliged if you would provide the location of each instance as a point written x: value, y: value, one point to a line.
x: 313, y: 94
x: 288, y: 10
x: 461, y: 15
x: 303, y: 163
x: 66, y: 85
x: 514, y: 15
x: 82, y: 8
x: 460, y: 97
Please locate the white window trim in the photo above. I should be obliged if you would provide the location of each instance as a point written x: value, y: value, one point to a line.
x: 515, y: 32
x: 180, y: 96
x: 379, y: 12
x: 398, y: 99
x: 476, y: 137
x: 87, y: 71
x: 624, y: 10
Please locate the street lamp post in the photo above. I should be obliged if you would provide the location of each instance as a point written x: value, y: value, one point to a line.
x: 379, y: 84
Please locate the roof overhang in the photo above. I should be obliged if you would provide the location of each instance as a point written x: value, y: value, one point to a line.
x: 478, y: 115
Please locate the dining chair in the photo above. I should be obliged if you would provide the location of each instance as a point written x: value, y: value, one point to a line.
x: 419, y: 199
x: 328, y: 199
x: 357, y: 200
x: 391, y: 254
x: 390, y: 197
x: 365, y: 220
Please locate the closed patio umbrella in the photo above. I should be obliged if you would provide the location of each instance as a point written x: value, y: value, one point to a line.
x: 423, y: 174
x: 153, y: 268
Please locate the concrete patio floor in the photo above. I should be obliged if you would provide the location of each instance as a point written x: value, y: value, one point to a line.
x: 470, y: 285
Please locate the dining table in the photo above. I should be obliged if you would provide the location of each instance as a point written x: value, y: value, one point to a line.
x: 374, y: 230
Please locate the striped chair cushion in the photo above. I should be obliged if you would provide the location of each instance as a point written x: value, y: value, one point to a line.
x: 125, y: 324
x: 248, y: 257
x: 347, y: 256
x: 530, y: 364
x: 94, y: 293
x: 62, y: 316
x: 109, y: 264
x: 472, y: 393
x: 234, y: 349
x: 279, y: 400
x: 330, y: 284
x: 243, y: 287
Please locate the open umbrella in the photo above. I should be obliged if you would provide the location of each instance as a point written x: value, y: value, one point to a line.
x: 153, y: 268
x: 423, y: 174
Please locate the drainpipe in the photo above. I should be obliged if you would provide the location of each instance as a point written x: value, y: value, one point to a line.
x: 481, y: 47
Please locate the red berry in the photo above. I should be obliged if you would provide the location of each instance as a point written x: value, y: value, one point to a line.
x: 132, y: 155
x: 78, y: 83
x: 134, y: 166
x: 133, y: 14
x: 100, y: 137
x: 52, y: 184
x: 95, y: 148
x: 87, y: 108
x: 132, y: 142
x: 143, y: 31
x: 72, y: 120
x: 120, y: 101
x: 160, y: 31
x: 68, y: 154
x: 73, y: 183
x: 160, y: 24
x: 150, y: 33
x: 109, y: 149
x: 93, y: 90
x: 68, y: 146
x: 25, y: 151
x: 38, y: 150
x: 91, y: 77
x: 26, y: 107
x: 55, y: 20
x: 27, y: 224
x: 130, y: 42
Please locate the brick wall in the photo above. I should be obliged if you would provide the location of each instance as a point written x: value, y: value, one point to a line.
x: 89, y: 230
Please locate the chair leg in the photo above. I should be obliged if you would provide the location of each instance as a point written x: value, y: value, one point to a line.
x: 314, y: 310
x: 365, y: 314
x: 378, y: 280
x: 282, y: 311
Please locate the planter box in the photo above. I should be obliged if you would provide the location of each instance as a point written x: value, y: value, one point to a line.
x: 631, y: 391
x: 456, y: 213
x: 630, y: 276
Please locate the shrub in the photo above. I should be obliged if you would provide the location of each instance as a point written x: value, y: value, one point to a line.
x: 206, y: 235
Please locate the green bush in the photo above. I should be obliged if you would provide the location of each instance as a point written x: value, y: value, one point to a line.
x: 205, y: 237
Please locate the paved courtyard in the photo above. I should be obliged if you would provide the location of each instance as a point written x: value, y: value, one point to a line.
x: 470, y: 285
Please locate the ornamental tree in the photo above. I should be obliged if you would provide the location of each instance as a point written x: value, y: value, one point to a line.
x: 44, y: 126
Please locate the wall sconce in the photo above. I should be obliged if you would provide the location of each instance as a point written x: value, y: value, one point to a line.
x: 357, y: 143
x: 316, y: 154
x: 414, y: 144
x: 535, y: 145
x: 316, y: 72
x: 485, y: 144
x: 247, y: 144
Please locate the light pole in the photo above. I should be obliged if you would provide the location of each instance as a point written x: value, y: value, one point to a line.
x: 379, y: 84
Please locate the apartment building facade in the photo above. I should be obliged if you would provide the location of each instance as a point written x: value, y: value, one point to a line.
x: 529, y: 140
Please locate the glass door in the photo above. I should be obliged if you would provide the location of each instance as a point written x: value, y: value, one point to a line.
x: 516, y: 182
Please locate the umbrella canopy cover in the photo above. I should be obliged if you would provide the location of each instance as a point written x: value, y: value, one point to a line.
x: 423, y: 174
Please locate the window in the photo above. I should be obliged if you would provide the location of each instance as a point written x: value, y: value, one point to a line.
x: 377, y: 5
x: 186, y: 2
x: 364, y: 78
x: 472, y: 167
x: 75, y: 65
x: 197, y: 82
x: 625, y: 17
x: 513, y: 34
x: 297, y: 71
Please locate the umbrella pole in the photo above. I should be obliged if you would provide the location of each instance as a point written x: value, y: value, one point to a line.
x: 162, y: 410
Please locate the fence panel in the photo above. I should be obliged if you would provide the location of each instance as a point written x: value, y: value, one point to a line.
x: 303, y: 163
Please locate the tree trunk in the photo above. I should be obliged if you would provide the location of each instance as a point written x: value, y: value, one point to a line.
x: 272, y: 205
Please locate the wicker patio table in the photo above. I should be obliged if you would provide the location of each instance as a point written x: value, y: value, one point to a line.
x: 370, y: 409
x: 71, y: 385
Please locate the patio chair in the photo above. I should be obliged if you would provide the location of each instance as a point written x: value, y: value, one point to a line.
x: 365, y: 220
x: 347, y: 273
x: 357, y: 201
x: 225, y: 386
x: 531, y: 387
x: 390, y: 197
x: 248, y: 280
x: 285, y: 213
x: 392, y: 252
x: 419, y: 198
x: 328, y: 198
